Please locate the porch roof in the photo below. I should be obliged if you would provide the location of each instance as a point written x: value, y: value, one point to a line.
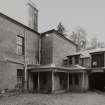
x: 86, y: 53
x: 74, y: 68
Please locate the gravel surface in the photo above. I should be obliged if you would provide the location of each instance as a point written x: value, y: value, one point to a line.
x: 90, y: 98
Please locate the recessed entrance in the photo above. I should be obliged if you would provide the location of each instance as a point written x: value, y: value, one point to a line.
x: 35, y: 81
x: 97, y: 81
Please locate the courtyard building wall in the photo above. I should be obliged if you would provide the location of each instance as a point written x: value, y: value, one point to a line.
x: 10, y: 60
x: 47, y: 62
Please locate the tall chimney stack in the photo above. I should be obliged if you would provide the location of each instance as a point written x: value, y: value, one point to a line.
x: 33, y: 16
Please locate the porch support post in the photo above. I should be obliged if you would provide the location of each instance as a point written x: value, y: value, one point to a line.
x: 52, y: 81
x: 38, y: 83
x: 68, y: 81
x: 25, y: 78
x: 104, y: 59
x: 83, y: 81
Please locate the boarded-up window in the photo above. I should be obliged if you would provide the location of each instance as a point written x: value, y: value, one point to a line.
x: 98, y: 60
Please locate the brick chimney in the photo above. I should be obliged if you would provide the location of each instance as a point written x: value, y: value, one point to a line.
x: 33, y: 16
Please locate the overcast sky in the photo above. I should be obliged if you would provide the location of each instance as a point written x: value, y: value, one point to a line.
x: 89, y: 14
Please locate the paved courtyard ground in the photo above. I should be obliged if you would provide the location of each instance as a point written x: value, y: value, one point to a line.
x: 90, y: 98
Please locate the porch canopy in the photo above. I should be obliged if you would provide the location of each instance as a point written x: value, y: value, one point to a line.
x: 51, y: 78
x: 71, y: 69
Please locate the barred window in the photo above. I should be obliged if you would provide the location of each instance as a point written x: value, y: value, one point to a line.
x: 20, y: 45
x: 20, y: 78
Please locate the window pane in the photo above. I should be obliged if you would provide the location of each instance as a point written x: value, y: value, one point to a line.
x: 70, y: 60
x: 20, y: 78
x: 76, y: 59
x: 20, y: 45
x: 65, y: 61
x: 19, y: 40
x: 20, y: 72
x: 19, y: 50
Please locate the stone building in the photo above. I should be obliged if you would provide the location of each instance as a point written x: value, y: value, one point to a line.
x: 94, y: 63
x: 18, y: 45
x: 27, y: 57
x: 51, y: 75
x: 45, y: 62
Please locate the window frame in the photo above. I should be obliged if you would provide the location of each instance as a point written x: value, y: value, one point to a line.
x: 70, y: 60
x: 20, y: 78
x: 35, y: 20
x: 20, y: 44
x: 76, y: 59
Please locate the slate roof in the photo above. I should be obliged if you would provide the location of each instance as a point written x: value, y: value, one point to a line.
x: 18, y: 23
x: 55, y: 31
x: 86, y: 53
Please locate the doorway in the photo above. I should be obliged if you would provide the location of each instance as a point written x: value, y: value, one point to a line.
x: 35, y: 81
x: 97, y: 81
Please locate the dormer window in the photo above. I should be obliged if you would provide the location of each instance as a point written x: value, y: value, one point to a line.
x: 76, y: 59
x: 97, y: 60
x: 65, y: 62
x: 70, y: 60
